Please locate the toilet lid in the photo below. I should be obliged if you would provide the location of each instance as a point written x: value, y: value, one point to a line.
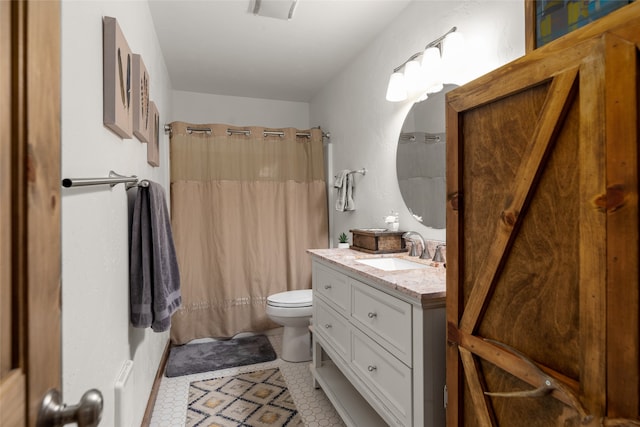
x: 300, y: 298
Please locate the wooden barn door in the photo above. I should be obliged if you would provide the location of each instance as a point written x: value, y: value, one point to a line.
x: 542, y: 236
x: 30, y: 355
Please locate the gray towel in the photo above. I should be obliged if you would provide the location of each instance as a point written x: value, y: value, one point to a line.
x: 350, y: 204
x: 154, y: 279
x: 344, y: 183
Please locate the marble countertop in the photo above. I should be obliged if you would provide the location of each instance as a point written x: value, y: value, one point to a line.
x: 426, y: 285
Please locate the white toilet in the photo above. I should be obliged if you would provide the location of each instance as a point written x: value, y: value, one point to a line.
x: 293, y: 310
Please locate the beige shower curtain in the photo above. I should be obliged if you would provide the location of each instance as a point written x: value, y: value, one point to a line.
x: 244, y: 210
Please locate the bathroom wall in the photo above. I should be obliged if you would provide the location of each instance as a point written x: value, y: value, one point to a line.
x: 239, y: 111
x: 96, y: 336
x: 364, y: 126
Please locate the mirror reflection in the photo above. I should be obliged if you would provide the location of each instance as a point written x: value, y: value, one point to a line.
x: 421, y: 158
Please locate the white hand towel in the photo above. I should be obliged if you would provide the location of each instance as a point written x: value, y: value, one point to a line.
x: 350, y: 205
x: 341, y: 184
x: 345, y: 184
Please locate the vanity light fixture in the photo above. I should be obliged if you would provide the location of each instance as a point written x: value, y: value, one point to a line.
x: 424, y: 72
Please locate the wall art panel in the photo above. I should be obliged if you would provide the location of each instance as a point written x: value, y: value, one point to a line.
x: 140, y: 99
x: 153, y: 147
x: 117, y: 69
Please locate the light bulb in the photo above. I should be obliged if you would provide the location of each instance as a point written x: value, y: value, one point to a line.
x: 412, y: 76
x: 436, y: 87
x: 397, y: 88
x: 432, y: 69
x: 453, y: 51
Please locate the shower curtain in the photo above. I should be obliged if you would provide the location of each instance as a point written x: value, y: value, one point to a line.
x: 245, y: 207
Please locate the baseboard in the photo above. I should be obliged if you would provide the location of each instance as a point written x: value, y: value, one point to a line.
x: 274, y: 331
x: 146, y: 420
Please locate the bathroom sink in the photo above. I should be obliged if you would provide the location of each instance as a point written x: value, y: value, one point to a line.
x: 391, y: 264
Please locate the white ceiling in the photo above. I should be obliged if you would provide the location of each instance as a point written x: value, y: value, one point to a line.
x: 221, y: 47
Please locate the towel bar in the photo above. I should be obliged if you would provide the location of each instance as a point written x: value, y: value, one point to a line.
x: 362, y: 171
x: 112, y: 180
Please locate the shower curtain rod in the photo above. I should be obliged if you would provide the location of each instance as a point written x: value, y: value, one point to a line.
x: 112, y: 180
x: 167, y: 128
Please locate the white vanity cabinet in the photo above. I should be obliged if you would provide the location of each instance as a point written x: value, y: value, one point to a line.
x: 378, y: 353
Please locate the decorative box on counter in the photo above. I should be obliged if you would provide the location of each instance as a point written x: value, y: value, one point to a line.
x: 378, y: 240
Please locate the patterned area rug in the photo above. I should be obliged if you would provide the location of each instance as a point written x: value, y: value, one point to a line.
x: 253, y: 399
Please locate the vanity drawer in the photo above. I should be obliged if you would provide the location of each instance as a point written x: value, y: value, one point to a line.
x: 333, y: 286
x: 332, y: 327
x: 385, y: 318
x: 385, y: 375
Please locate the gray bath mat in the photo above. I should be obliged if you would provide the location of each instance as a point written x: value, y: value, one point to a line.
x: 211, y: 356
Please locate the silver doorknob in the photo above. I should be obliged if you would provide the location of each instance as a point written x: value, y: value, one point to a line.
x: 54, y: 413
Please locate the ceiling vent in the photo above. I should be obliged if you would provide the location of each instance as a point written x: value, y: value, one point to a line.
x: 279, y: 9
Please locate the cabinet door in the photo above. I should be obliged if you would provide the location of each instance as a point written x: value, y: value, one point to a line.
x: 333, y: 286
x: 384, y: 318
x: 542, y: 235
x: 332, y: 327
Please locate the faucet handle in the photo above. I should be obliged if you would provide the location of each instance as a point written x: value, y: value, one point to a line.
x: 438, y: 257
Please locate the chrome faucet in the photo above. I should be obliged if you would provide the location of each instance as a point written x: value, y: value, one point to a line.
x: 415, y: 239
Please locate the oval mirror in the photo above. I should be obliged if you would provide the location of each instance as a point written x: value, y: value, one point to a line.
x: 421, y: 160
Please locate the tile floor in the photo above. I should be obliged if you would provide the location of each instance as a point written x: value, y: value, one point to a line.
x: 315, y: 409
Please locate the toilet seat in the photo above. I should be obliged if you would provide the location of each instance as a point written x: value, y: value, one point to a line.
x: 291, y: 299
